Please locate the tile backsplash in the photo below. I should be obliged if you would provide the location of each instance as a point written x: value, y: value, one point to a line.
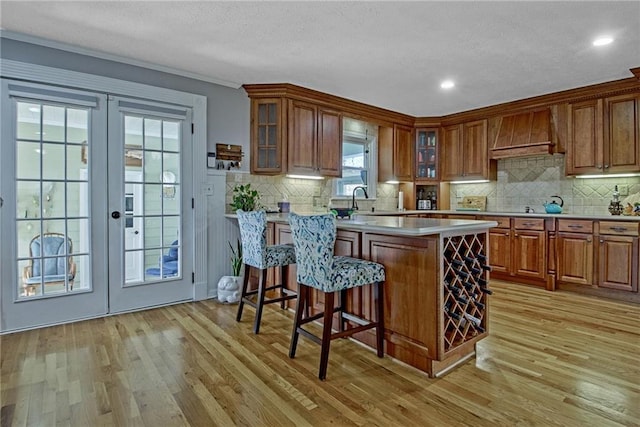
x: 306, y: 195
x: 521, y: 182
x: 532, y: 181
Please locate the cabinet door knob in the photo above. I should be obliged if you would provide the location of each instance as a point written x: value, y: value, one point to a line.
x: 589, y: 240
x: 599, y: 166
x: 606, y: 166
x: 601, y: 241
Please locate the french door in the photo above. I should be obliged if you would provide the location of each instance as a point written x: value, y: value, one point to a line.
x: 95, y: 209
x: 150, y: 217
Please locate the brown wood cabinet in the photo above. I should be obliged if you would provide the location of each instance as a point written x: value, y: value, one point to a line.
x: 500, y: 245
x: 465, y: 152
x: 575, y: 252
x: 395, y: 153
x: 600, y: 254
x: 530, y: 254
x: 314, y: 140
x: 426, y: 155
x: 604, y: 136
x: 268, y: 137
x: 618, y: 255
x: 518, y: 249
x: 622, y: 134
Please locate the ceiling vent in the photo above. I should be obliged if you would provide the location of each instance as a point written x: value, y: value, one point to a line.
x: 524, y: 134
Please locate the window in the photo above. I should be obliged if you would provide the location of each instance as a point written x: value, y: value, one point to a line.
x: 358, y: 159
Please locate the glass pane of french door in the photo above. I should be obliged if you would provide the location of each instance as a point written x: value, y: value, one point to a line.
x: 52, y: 218
x: 150, y: 202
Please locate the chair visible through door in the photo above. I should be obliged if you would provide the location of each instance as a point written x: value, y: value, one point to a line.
x: 50, y: 263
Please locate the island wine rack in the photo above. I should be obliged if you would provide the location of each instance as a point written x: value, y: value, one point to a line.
x: 465, y: 290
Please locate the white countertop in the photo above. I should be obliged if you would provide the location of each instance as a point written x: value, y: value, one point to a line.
x: 400, y: 225
x: 510, y: 214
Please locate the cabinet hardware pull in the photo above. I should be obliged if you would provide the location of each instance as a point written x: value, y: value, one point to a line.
x: 606, y: 166
x: 588, y: 240
x: 601, y: 241
x: 599, y: 166
x: 574, y: 226
x: 528, y: 224
x: 618, y: 229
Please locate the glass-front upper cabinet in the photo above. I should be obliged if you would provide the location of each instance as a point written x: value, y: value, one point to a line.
x: 426, y: 154
x: 267, y: 141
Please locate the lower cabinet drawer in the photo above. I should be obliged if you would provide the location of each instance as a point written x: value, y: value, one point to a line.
x: 618, y: 228
x: 575, y: 225
x: 528, y: 224
x: 503, y: 221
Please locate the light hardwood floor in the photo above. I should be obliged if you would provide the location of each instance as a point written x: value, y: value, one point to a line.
x: 552, y: 358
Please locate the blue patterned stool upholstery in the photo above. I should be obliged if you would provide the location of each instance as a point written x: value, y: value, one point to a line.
x: 256, y: 254
x: 317, y: 268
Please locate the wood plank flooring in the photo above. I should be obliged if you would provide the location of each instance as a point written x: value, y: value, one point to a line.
x: 552, y: 359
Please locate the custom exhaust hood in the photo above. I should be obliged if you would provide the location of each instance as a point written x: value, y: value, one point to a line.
x: 523, y: 134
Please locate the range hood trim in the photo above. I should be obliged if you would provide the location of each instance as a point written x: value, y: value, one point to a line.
x: 531, y: 136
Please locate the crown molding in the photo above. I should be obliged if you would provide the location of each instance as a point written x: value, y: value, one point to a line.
x: 350, y: 108
x: 382, y: 116
x: 600, y: 90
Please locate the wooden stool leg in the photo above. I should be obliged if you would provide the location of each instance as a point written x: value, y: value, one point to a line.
x: 245, y: 284
x: 379, y: 302
x: 326, y: 334
x: 262, y: 283
x: 301, y: 307
x: 341, y: 305
x: 284, y: 280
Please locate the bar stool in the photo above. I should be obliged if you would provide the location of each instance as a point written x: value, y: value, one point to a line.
x: 317, y: 268
x: 256, y: 253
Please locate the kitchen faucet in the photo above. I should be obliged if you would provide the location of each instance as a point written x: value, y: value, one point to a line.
x: 354, y: 205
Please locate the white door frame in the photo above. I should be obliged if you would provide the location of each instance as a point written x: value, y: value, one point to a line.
x: 96, y: 83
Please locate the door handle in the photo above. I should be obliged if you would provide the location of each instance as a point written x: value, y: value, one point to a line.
x: 115, y: 214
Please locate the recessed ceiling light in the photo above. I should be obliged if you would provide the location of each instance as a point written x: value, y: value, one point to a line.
x: 447, y: 84
x: 602, y: 41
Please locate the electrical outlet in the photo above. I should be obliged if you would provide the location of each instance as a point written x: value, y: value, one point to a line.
x: 623, y: 190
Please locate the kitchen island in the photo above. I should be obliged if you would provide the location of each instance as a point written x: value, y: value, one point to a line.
x: 436, y: 289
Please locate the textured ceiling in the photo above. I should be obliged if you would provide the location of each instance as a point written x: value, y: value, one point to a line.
x: 389, y: 54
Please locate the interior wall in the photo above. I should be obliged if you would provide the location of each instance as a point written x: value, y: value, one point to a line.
x: 227, y: 108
